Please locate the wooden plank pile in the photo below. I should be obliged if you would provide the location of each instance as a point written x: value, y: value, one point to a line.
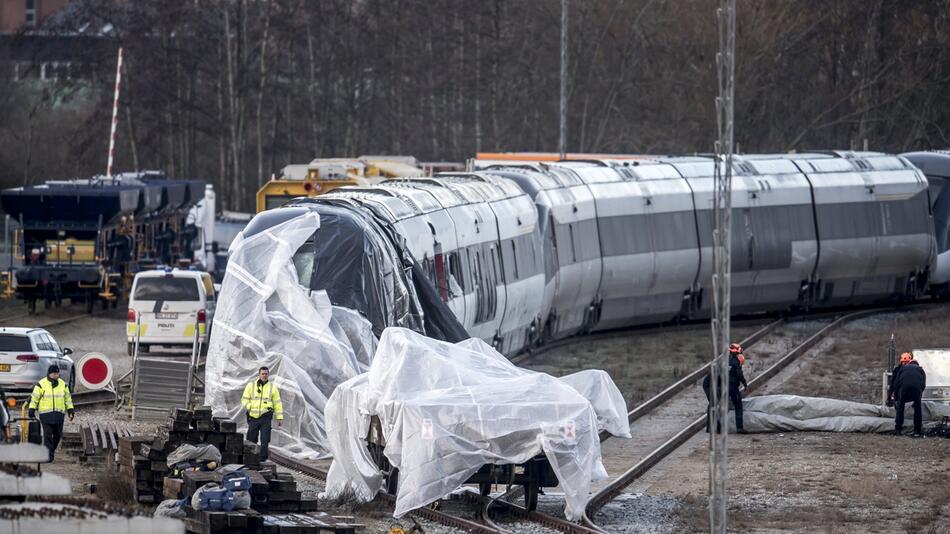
x: 100, y: 441
x: 277, y: 506
x: 138, y: 469
x: 143, y: 459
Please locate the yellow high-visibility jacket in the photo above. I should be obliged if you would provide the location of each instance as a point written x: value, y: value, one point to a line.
x: 46, y: 398
x: 257, y: 400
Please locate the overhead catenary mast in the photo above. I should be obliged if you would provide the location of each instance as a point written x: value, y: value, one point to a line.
x: 115, y: 113
x: 562, y: 130
x: 722, y: 264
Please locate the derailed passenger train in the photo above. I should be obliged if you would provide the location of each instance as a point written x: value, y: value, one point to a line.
x: 521, y: 253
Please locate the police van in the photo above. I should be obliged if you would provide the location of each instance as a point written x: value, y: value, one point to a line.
x: 167, y: 305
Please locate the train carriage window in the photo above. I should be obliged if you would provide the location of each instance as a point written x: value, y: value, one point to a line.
x: 477, y: 286
x: 439, y: 277
x: 565, y: 249
x: 570, y: 228
x: 456, y: 280
x: 514, y: 259
x: 550, y: 252
x: 586, y: 241
x: 303, y: 263
x: 493, y: 283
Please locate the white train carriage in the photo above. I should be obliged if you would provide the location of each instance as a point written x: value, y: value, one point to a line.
x: 774, y: 247
x: 534, y: 181
x: 497, y: 256
x: 647, y: 228
x: 576, y: 247
x: 531, y: 252
x: 443, y: 263
x: 875, y: 226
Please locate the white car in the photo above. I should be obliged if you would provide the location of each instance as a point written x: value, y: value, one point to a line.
x: 167, y: 305
x: 26, y: 354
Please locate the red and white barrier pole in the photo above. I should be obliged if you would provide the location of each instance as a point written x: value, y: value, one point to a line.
x: 115, y: 112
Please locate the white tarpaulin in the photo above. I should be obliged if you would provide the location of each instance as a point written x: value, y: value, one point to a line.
x: 447, y: 409
x: 266, y: 318
x: 787, y: 413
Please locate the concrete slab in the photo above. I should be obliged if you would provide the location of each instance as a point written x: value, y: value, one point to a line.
x: 96, y: 523
x: 45, y: 484
x: 23, y: 453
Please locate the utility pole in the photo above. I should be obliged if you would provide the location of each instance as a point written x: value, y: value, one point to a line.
x: 722, y: 262
x: 562, y: 137
x: 115, y: 112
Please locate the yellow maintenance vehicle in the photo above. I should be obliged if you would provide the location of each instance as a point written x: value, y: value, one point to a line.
x: 325, y: 174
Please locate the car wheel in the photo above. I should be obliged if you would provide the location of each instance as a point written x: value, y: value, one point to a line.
x: 72, y: 380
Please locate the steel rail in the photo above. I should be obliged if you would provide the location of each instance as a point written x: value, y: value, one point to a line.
x: 616, y: 487
x: 426, y: 513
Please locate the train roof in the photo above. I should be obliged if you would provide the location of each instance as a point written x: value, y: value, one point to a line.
x: 933, y: 163
x: 100, y: 201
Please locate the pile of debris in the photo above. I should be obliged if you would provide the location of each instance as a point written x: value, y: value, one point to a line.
x: 270, y: 491
x: 214, y: 481
x: 144, y: 459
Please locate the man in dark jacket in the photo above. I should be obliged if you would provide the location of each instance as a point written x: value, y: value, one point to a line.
x: 909, y: 387
x: 905, y: 359
x: 736, y: 378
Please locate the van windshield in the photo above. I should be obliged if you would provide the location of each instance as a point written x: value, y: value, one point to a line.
x: 10, y: 343
x: 166, y: 288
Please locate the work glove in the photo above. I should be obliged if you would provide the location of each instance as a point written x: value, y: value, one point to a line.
x: 32, y: 413
x: 72, y: 415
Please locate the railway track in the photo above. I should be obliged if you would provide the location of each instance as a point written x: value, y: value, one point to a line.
x: 676, y: 439
x: 426, y: 513
x: 5, y: 321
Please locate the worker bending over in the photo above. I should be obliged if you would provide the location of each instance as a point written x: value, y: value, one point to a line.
x: 261, y: 400
x: 909, y: 386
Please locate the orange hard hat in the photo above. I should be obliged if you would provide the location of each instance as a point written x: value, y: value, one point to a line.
x: 741, y: 359
x: 906, y: 358
x: 735, y: 347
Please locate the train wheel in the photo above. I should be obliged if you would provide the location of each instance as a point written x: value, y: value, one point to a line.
x: 484, y: 489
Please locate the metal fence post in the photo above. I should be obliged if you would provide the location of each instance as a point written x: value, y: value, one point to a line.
x: 195, y: 350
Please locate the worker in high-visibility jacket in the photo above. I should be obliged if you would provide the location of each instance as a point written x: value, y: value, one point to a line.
x: 52, y: 399
x: 261, y: 400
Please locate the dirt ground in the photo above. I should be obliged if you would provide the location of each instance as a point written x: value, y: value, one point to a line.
x: 827, y: 482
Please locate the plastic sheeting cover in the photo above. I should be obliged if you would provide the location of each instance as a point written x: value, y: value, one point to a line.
x: 787, y: 413
x: 266, y: 318
x: 447, y: 409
